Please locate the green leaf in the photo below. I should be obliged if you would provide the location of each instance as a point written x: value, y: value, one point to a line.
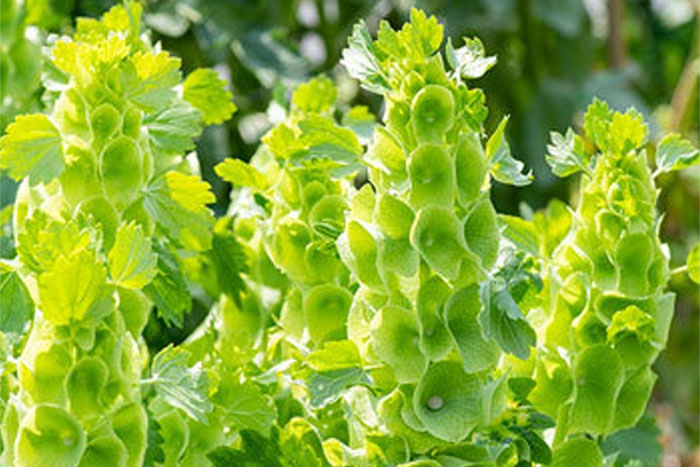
x: 245, y: 406
x: 154, y: 454
x: 181, y: 385
x: 149, y: 78
x: 639, y: 443
x: 470, y: 60
x: 334, y: 355
x: 597, y: 122
x: 32, y: 147
x: 173, y: 129
x: 206, y: 91
x: 362, y: 121
x: 17, y: 305
x: 315, y: 96
x: 693, y: 263
x: 132, y: 264
x: 675, y: 153
x: 628, y: 131
x: 581, y: 452
x: 539, y: 450
x: 360, y: 59
x: 168, y: 289
x: 503, y: 321
x: 177, y: 203
x: 462, y: 315
x: 326, y: 386
x: 73, y: 285
x: 229, y: 262
x: 256, y: 451
x: 503, y: 166
x: 284, y: 143
x: 481, y: 232
x: 566, y: 154
x: 301, y: 444
x: 325, y: 139
x: 521, y: 232
x: 614, y: 132
x: 241, y: 174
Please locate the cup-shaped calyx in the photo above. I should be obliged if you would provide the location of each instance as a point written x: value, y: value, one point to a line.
x: 102, y: 207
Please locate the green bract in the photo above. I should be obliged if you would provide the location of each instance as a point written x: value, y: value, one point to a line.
x: 103, y: 212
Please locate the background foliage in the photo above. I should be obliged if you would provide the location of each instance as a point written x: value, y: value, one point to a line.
x: 553, y: 57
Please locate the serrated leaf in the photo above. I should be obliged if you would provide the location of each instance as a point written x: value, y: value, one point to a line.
x: 566, y: 154
x: 32, y: 148
x: 177, y: 203
x: 360, y: 59
x: 470, y: 60
x: 315, y: 96
x: 168, y: 289
x: 206, y: 91
x: 149, y: 79
x: 283, y: 142
x: 418, y: 39
x: 181, y: 385
x: 503, y: 166
x: 241, y: 174
x: 503, y: 320
x: 675, y: 153
x: 132, y: 264
x: 173, y: 129
x: 71, y: 287
x: 16, y: 305
x: 326, y: 139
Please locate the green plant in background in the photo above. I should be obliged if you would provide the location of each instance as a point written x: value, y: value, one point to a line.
x: 106, y: 206
x: 21, y: 63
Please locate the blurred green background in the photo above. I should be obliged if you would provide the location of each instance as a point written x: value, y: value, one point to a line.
x: 554, y: 56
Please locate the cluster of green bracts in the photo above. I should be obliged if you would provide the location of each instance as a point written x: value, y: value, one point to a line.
x: 609, y: 314
x: 419, y: 244
x: 98, y: 194
x: 289, y: 209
